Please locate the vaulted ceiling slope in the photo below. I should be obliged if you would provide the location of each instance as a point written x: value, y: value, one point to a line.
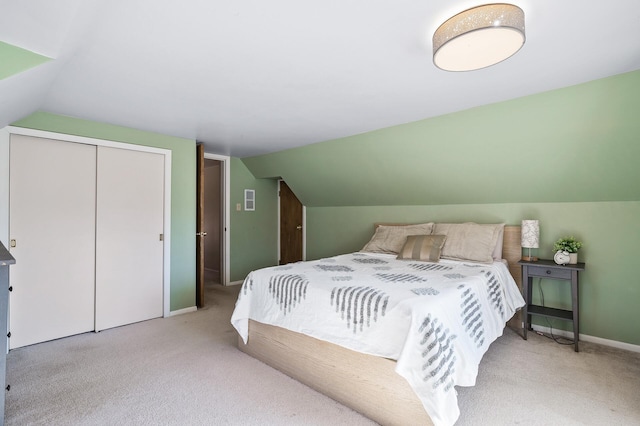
x: 576, y: 144
x: 249, y: 77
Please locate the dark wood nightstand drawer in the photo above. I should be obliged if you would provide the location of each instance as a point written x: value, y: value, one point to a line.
x: 549, y: 272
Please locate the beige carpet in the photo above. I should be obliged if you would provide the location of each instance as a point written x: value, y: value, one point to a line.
x: 186, y: 370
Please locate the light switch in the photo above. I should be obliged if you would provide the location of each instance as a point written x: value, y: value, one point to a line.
x: 239, y: 207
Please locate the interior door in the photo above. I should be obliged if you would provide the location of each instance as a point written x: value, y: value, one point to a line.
x: 52, y: 221
x: 200, y: 234
x: 290, y: 226
x: 129, y: 227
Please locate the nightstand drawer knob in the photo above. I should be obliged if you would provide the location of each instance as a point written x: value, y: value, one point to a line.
x: 548, y: 272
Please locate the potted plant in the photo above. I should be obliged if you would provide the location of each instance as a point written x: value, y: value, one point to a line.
x: 569, y: 245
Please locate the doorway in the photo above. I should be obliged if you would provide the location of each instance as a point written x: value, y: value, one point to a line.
x: 212, y: 221
x: 212, y: 242
x: 292, y: 226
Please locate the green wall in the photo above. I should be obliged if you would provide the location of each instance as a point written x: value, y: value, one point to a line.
x: 254, y: 234
x: 574, y: 144
x: 568, y: 157
x: 183, y: 189
x: 609, y: 288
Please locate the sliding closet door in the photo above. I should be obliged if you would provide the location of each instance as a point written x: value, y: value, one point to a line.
x: 52, y: 220
x: 129, y: 249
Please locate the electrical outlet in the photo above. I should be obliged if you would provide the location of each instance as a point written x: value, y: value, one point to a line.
x: 239, y: 207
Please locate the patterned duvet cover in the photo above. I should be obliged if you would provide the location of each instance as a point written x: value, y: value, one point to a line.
x: 435, y: 319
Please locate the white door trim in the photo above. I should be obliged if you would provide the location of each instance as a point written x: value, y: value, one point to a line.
x: 5, y: 135
x: 226, y: 199
x: 4, y: 186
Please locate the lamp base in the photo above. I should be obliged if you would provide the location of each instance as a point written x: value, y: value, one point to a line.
x: 529, y: 258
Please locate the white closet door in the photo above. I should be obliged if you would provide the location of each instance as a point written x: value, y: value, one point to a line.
x: 52, y: 220
x: 129, y: 252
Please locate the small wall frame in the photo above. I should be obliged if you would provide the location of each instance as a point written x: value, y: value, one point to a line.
x: 249, y: 200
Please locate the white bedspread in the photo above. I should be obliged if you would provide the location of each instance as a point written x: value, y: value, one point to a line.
x: 436, y: 319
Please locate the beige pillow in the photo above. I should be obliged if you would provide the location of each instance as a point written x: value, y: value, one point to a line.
x: 391, y: 238
x: 497, y: 250
x: 469, y: 241
x: 422, y: 247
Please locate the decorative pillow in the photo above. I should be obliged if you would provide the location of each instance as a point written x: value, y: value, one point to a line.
x: 497, y: 250
x: 391, y: 238
x: 469, y: 241
x: 422, y: 247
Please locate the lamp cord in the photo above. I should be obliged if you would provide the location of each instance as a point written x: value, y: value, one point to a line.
x: 565, y: 341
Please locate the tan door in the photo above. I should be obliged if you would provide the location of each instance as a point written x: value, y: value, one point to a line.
x: 290, y: 226
x: 52, y: 220
x: 200, y: 234
x: 129, y: 243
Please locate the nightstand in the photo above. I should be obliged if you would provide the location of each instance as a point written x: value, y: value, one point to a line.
x: 551, y: 270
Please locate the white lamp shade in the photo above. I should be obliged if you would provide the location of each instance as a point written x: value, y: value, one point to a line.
x: 530, y: 234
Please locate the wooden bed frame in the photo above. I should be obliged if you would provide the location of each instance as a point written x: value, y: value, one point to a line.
x: 365, y: 383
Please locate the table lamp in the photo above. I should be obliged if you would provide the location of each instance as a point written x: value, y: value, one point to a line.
x: 530, y: 238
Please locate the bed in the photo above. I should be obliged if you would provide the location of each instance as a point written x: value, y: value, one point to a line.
x: 393, y: 351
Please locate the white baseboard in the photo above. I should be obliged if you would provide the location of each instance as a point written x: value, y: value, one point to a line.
x: 236, y: 282
x: 588, y: 338
x: 183, y: 311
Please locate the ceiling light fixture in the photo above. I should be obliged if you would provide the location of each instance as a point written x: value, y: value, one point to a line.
x: 479, y: 37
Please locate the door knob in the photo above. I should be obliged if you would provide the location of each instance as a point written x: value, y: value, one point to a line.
x: 299, y: 227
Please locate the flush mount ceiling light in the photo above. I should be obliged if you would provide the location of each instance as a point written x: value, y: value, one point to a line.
x: 479, y: 37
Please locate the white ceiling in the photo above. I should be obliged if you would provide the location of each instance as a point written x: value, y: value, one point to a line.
x: 248, y: 77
